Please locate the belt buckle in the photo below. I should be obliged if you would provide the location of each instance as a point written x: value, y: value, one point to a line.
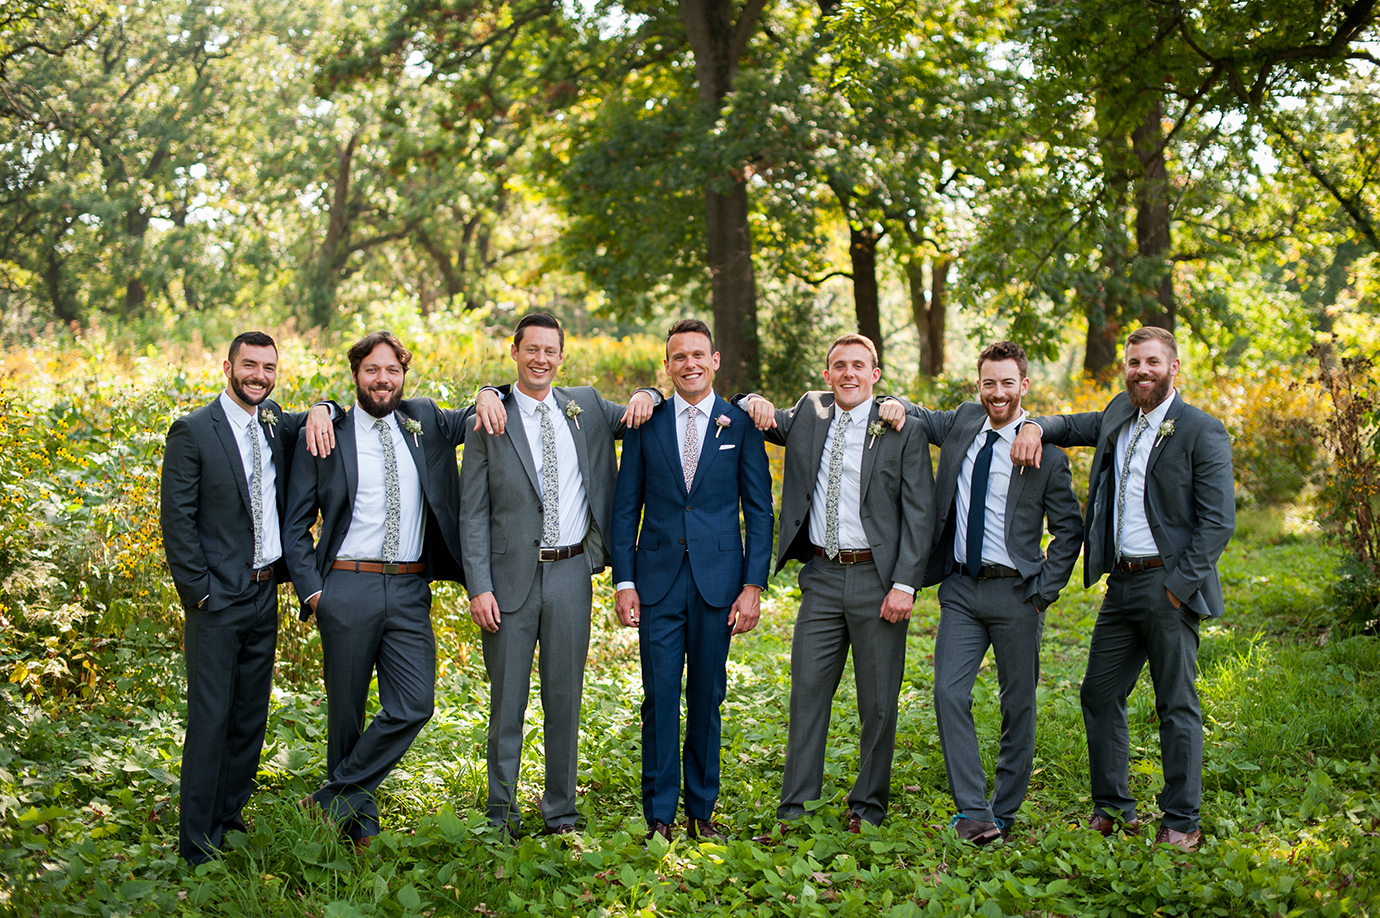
x: 547, y: 554
x: 391, y: 567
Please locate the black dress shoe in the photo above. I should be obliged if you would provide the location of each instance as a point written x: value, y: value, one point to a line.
x: 978, y: 831
x: 659, y: 828
x: 705, y: 830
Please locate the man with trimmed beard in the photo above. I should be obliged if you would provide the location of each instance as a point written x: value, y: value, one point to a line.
x: 1161, y: 509
x: 388, y: 499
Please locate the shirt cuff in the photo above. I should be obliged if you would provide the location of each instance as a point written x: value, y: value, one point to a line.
x: 624, y: 585
x: 308, y: 600
x: 330, y: 408
x: 493, y: 389
x: 1033, y: 424
x: 903, y: 587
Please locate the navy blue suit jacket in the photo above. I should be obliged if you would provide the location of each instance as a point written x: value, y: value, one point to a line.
x: 732, y: 471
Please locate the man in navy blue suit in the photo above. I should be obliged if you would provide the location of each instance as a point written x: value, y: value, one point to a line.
x: 687, y: 579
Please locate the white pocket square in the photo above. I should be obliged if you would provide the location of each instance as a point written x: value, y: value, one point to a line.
x: 728, y: 446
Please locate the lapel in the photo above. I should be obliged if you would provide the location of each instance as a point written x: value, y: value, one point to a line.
x: 349, y: 452
x: 1013, y: 494
x: 516, y: 432
x: 819, y: 435
x: 962, y: 437
x: 709, y: 449
x: 225, y: 432
x: 869, y: 456
x: 577, y: 433
x: 1161, y: 443
x: 413, y: 442
x: 275, y: 448
x: 663, y: 423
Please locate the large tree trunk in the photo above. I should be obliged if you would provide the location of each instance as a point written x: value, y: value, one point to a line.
x: 929, y: 310
x: 334, y: 249
x: 1152, y: 217
x: 1104, y: 310
x: 862, y: 252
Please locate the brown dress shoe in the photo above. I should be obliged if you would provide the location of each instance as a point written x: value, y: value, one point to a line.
x: 1187, y: 842
x: 362, y: 844
x: 854, y: 824
x: 704, y: 830
x: 774, y: 837
x: 978, y: 831
x: 659, y: 828
x: 1100, y: 823
x: 565, y: 828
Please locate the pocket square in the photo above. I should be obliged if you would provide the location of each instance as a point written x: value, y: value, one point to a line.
x: 728, y: 446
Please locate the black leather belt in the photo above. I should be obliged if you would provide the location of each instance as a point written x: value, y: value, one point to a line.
x: 560, y: 554
x: 379, y: 567
x: 262, y: 574
x: 846, y: 557
x: 988, y: 571
x: 1136, y: 565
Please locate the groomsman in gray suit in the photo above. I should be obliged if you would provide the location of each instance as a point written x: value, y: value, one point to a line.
x: 1161, y: 509
x: 857, y: 508
x: 536, y: 507
x: 995, y: 583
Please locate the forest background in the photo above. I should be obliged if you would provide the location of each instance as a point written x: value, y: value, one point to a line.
x: 931, y: 173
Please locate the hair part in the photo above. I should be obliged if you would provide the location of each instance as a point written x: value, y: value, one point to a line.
x: 1155, y: 333
x: 852, y: 338
x: 365, y: 346
x: 689, y: 327
x: 252, y: 339
x: 1004, y: 350
x: 537, y: 320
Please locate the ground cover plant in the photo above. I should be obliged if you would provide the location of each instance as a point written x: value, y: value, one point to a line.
x: 91, y: 714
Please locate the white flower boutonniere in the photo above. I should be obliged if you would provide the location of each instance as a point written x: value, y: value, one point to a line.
x: 270, y: 420
x: 723, y: 421
x: 1164, y: 431
x: 573, y: 411
x: 412, y: 426
x: 876, y: 429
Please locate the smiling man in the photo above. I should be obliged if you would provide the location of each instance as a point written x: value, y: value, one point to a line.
x: 857, y: 507
x: 1161, y: 509
x: 687, y: 578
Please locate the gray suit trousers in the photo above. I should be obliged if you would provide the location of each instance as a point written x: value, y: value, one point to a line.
x: 556, y: 616
x: 840, y: 607
x: 372, y: 623
x: 974, y: 614
x: 1137, y: 624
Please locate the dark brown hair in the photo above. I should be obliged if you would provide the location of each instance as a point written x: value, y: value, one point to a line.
x: 1003, y: 350
x: 690, y: 326
x: 537, y: 320
x: 252, y: 339
x: 365, y: 346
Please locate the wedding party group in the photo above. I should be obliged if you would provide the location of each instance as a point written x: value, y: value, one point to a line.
x: 362, y: 507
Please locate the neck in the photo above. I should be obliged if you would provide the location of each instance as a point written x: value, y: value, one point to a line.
x: 250, y: 410
x: 537, y: 394
x: 695, y: 400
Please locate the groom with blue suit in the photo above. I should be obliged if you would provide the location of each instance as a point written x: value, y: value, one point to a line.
x: 686, y: 578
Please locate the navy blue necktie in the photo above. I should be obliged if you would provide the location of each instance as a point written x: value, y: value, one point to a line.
x: 977, y: 507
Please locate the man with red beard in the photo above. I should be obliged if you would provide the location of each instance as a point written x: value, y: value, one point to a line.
x: 1161, y: 509
x: 389, y: 500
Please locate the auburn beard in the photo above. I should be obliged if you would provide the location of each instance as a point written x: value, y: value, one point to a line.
x: 1148, y: 399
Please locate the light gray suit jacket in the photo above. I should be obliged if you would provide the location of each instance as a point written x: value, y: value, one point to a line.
x: 1190, y: 495
x: 501, y: 496
x: 1032, y: 497
x: 897, y: 489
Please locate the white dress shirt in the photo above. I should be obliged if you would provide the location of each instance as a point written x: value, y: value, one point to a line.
x: 1137, y: 541
x: 364, y: 540
x: 998, y: 483
x: 574, y: 502
x: 246, y: 425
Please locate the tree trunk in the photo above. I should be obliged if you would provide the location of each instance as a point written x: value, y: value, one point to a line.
x: 862, y: 252
x: 1105, y: 306
x: 63, y: 307
x: 939, y: 311
x: 1152, y: 217
x: 334, y: 249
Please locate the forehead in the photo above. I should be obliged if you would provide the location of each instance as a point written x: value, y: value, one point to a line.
x: 850, y: 353
x: 999, y: 369
x: 256, y: 353
x: 541, y: 337
x: 687, y: 343
x: 382, y: 355
x: 1147, y: 350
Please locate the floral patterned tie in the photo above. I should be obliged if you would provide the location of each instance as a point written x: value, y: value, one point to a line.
x: 550, y: 484
x: 1141, y: 426
x: 691, y: 459
x: 392, y: 501
x: 256, y: 491
x: 831, y: 496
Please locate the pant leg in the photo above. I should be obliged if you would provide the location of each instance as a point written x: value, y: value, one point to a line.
x: 879, y: 662
x: 661, y: 645
x: 959, y: 647
x: 707, y: 640
x: 250, y: 717
x: 349, y: 616
x: 1115, y: 658
x: 508, y: 661
x: 566, y: 598
x: 1015, y: 627
x: 1171, y: 642
x: 819, y: 649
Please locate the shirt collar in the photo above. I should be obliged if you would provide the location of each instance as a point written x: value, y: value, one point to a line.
x: 1007, y: 433
x: 705, y: 407
x: 365, y: 421
x: 1155, y: 416
x: 234, y: 413
x: 528, y: 405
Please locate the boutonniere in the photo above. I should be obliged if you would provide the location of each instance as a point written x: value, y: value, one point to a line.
x: 876, y: 429
x: 572, y: 411
x: 412, y: 426
x: 723, y: 421
x: 1165, y: 431
x: 270, y: 421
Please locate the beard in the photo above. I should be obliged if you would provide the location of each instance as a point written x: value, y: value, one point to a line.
x: 1013, y: 407
x: 379, y: 403
x: 1147, y: 399
x: 248, y: 398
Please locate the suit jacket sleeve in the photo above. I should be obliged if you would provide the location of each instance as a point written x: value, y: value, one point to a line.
x: 302, y: 508
x: 1214, y: 501
x: 917, y: 511
x: 453, y: 422
x: 773, y: 435
x: 754, y: 489
x: 613, y: 412
x: 474, y: 514
x: 178, y: 500
x: 1065, y: 430
x: 627, y: 506
x: 1065, y: 520
x: 937, y: 424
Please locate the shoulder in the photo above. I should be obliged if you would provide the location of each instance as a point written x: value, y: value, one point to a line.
x: 197, y: 418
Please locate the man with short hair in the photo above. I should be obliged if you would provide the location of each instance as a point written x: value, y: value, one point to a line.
x: 856, y: 509
x: 685, y: 575
x: 535, y: 521
x: 1161, y: 509
x: 223, y: 486
x: 995, y: 584
x: 388, y: 501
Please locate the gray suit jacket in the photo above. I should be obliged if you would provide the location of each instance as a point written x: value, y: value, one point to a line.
x: 1032, y: 497
x: 501, y: 499
x: 1190, y: 495
x: 208, y: 528
x: 897, y: 489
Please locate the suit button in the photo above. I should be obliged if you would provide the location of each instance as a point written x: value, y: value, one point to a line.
x: 682, y: 541
x: 797, y: 523
x: 690, y: 509
x: 246, y: 564
x: 536, y: 543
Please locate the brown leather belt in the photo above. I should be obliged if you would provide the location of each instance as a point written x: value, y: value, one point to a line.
x: 559, y: 554
x: 1136, y: 565
x: 262, y: 574
x: 847, y: 557
x: 378, y: 567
